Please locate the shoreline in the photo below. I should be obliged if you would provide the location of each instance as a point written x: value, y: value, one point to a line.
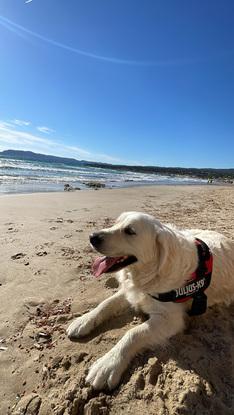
x: 134, y: 186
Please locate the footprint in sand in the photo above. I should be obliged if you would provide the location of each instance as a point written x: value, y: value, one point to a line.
x: 57, y: 220
x: 154, y: 370
x: 91, y: 224
x: 60, y: 220
x: 40, y: 272
x: 42, y: 253
x: 41, y: 247
x: 70, y: 253
x: 18, y: 256
x: 12, y: 230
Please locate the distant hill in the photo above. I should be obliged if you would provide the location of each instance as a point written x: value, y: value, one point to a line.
x: 202, y: 173
x: 30, y: 156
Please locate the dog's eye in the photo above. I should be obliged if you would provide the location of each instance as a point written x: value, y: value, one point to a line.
x: 129, y: 231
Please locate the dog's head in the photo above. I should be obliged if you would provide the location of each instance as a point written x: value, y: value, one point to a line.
x: 131, y: 241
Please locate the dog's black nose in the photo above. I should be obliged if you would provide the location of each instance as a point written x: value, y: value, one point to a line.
x: 95, y: 239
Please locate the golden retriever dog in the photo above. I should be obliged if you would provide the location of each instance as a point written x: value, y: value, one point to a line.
x: 150, y: 259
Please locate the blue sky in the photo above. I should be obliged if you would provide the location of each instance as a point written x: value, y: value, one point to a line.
x: 121, y: 81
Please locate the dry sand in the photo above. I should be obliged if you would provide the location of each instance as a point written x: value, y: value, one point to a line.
x: 45, y: 282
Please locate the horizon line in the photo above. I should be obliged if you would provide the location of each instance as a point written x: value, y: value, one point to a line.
x: 120, y: 165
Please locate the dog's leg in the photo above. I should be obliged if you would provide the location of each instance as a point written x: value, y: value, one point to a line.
x: 107, y: 370
x: 110, y: 307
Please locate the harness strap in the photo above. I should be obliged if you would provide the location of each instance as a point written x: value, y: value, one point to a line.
x: 196, y: 285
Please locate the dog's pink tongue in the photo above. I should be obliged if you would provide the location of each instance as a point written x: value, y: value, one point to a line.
x: 102, y: 264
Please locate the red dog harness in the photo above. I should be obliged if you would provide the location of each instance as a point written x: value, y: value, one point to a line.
x: 196, y: 285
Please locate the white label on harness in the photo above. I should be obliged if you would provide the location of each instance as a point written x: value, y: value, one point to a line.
x: 191, y: 288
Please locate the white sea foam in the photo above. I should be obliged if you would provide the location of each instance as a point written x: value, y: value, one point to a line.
x: 17, y: 175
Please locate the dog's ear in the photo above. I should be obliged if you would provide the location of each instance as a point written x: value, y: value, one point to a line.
x: 165, y: 249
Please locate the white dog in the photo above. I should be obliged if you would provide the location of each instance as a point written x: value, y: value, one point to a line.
x: 151, y: 258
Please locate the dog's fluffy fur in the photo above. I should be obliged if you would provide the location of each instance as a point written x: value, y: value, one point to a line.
x: 166, y: 257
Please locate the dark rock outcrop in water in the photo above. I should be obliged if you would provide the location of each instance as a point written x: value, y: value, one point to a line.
x: 95, y: 185
x: 69, y: 188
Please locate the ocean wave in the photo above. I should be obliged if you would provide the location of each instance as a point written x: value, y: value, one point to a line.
x: 24, y: 173
x: 84, y: 171
x: 36, y: 167
x: 111, y: 181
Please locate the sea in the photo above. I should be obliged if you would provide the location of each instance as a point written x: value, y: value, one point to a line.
x: 20, y: 176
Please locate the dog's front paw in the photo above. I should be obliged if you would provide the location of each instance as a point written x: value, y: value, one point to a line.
x: 81, y: 326
x: 106, y: 371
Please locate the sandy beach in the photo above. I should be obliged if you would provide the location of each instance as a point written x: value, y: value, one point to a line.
x: 46, y: 281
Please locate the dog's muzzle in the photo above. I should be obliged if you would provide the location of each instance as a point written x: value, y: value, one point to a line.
x: 96, y: 239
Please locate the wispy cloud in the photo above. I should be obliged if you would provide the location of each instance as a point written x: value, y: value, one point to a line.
x: 12, y: 138
x: 45, y: 130
x: 21, y: 123
x: 21, y: 30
